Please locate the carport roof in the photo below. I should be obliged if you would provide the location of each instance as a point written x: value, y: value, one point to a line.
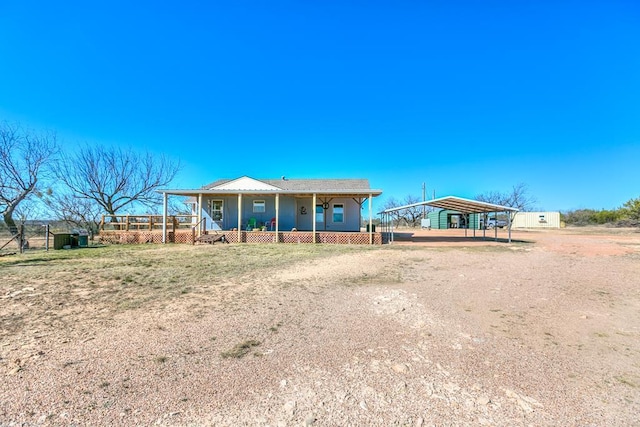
x: 458, y: 204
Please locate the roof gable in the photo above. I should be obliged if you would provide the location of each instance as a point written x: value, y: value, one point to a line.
x: 244, y: 184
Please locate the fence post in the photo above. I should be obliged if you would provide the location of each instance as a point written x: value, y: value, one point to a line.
x: 46, y: 242
x: 21, y: 238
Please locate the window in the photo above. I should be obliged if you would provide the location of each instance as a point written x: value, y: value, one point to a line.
x: 215, y: 209
x: 319, y: 213
x: 338, y: 212
x: 258, y: 206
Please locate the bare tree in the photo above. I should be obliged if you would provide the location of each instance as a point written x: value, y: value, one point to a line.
x: 24, y: 160
x: 410, y: 216
x: 77, y: 211
x: 413, y: 214
x: 99, y: 180
x: 518, y: 198
x: 391, y: 203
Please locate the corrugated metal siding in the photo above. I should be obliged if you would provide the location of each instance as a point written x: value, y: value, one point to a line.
x: 435, y: 220
x: 537, y: 220
x: 439, y: 219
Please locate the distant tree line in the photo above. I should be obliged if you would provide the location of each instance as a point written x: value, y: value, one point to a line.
x: 38, y: 178
x: 628, y: 215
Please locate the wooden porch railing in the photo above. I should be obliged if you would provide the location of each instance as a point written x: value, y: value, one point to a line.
x: 144, y: 222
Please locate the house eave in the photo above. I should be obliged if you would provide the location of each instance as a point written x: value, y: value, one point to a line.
x: 344, y: 193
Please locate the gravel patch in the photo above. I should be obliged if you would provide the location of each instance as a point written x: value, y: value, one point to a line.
x: 412, y: 335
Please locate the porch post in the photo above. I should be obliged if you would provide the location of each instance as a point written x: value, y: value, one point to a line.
x: 313, y: 219
x: 199, y: 220
x: 164, y: 217
x: 370, y: 219
x: 239, y: 217
x: 277, y: 216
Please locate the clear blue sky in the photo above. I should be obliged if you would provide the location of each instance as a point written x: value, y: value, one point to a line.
x: 467, y: 96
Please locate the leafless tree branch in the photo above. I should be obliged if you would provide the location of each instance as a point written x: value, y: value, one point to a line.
x: 111, y: 179
x: 25, y: 158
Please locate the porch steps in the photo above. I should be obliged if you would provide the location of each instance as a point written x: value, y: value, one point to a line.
x: 212, y: 238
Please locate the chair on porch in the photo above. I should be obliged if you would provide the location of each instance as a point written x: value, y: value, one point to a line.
x: 271, y: 224
x: 251, y: 224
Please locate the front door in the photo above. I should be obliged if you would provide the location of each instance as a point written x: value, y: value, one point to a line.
x: 304, y: 215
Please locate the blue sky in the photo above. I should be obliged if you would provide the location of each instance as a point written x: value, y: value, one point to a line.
x: 466, y: 96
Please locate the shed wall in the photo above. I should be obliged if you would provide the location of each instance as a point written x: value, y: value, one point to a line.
x: 440, y: 219
x: 536, y: 220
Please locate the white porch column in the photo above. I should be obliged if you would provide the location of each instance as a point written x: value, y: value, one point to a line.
x: 277, y: 216
x: 164, y: 217
x: 199, y: 215
x: 370, y: 219
x: 239, y: 218
x: 313, y: 219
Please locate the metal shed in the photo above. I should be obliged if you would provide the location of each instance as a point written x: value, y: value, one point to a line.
x: 447, y: 218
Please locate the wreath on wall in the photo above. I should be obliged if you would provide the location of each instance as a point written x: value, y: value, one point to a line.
x: 303, y: 210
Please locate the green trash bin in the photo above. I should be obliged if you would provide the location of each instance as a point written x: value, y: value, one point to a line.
x: 83, y: 241
x: 60, y: 240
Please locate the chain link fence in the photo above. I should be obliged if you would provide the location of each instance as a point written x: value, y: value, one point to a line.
x: 31, y: 235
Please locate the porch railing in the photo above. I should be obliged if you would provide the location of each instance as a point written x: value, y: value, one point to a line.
x: 145, y: 222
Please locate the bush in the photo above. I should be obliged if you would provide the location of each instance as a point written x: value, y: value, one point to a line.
x: 580, y: 217
x: 626, y: 216
x: 631, y: 209
x: 605, y: 216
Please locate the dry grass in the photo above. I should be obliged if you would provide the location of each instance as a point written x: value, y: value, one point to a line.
x: 66, y: 284
x: 240, y: 350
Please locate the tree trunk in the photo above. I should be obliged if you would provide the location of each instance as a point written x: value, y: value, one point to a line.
x: 11, y: 224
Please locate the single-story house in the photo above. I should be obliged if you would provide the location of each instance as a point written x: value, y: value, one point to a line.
x: 246, y: 205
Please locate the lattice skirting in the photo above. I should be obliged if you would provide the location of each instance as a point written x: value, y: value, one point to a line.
x: 137, y: 237
x: 186, y: 237
x: 343, y: 238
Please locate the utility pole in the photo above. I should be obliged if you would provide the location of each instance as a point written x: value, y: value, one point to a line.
x: 424, y: 199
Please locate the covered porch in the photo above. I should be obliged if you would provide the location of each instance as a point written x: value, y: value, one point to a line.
x: 282, y: 210
x: 139, y: 229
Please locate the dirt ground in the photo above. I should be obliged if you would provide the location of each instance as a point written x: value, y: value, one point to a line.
x: 435, y: 329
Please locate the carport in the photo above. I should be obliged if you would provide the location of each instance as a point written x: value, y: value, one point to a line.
x: 459, y: 204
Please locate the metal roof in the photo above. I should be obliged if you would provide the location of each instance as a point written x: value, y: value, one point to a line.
x: 458, y: 204
x: 306, y: 185
x: 296, y: 187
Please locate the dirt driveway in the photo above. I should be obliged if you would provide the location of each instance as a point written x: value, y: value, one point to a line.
x: 442, y: 331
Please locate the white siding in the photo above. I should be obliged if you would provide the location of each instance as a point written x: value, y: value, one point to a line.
x: 537, y: 220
